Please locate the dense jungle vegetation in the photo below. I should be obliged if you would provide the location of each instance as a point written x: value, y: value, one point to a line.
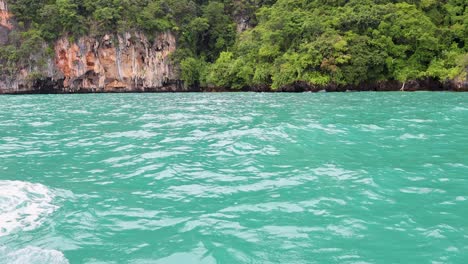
x: 315, y: 41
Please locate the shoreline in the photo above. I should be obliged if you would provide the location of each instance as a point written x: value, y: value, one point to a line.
x: 226, y: 91
x: 430, y: 85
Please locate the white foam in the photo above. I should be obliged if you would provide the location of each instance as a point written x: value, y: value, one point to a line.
x: 41, y: 124
x: 371, y: 128
x: 407, y: 136
x: 23, y: 206
x: 459, y: 108
x: 31, y: 255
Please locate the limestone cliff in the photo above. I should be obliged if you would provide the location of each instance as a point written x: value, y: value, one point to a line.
x: 5, y: 22
x: 128, y: 62
x: 136, y: 62
x: 110, y: 63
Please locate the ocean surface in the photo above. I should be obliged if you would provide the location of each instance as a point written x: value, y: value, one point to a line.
x: 234, y: 178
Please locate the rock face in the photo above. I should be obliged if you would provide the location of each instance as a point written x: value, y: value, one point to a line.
x: 5, y: 22
x: 130, y: 62
x: 5, y: 15
x: 113, y: 63
x: 461, y: 83
x: 243, y: 23
x: 135, y: 62
x: 117, y: 63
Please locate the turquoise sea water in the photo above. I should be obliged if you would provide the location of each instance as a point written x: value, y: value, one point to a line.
x: 234, y: 178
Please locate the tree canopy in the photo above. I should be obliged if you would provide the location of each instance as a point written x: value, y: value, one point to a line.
x: 314, y: 41
x: 347, y: 42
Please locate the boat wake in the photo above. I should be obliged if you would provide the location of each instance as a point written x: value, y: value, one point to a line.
x: 31, y: 255
x: 23, y: 206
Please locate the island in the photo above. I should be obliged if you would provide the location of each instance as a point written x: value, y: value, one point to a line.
x: 86, y: 46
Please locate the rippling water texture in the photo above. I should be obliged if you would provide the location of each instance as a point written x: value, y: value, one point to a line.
x: 234, y: 178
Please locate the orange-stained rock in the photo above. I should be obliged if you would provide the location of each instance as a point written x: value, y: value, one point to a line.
x: 127, y: 62
x: 6, y: 23
x: 115, y: 85
x: 5, y: 16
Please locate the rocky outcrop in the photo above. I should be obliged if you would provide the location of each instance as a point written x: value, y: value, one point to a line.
x: 243, y: 23
x: 5, y: 22
x: 130, y: 62
x: 5, y: 16
x: 117, y: 63
x: 112, y: 63
x: 461, y: 82
x: 135, y: 62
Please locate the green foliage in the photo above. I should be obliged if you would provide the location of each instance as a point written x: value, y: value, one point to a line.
x: 221, y: 73
x: 314, y: 41
x: 192, y: 70
x: 9, y: 57
x: 350, y: 42
x: 18, y: 54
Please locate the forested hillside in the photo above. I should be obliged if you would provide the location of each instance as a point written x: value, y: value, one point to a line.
x: 243, y: 43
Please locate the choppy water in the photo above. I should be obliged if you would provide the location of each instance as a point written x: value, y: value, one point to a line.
x: 234, y: 178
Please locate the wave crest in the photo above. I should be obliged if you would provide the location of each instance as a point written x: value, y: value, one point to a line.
x: 23, y: 206
x: 32, y: 255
